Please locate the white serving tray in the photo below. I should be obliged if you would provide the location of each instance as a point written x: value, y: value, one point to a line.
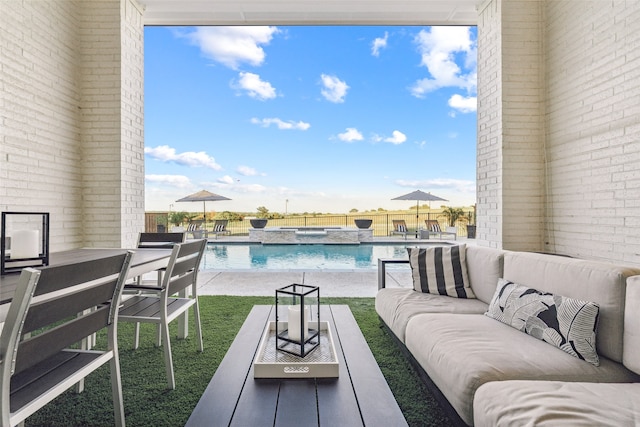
x: 320, y: 363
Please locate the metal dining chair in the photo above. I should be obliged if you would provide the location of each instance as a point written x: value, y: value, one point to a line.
x: 155, y: 241
x: 53, y: 309
x: 162, y: 306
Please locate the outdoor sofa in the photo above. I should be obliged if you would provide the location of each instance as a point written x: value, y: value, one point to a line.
x: 459, y: 350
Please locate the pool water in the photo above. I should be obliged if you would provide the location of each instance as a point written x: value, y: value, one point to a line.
x: 299, y: 257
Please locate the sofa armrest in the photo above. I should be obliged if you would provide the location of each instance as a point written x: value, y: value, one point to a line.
x: 382, y: 269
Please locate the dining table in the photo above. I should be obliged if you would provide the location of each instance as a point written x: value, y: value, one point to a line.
x: 142, y: 261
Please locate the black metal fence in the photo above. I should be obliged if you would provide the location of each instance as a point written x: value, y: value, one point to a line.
x: 382, y: 223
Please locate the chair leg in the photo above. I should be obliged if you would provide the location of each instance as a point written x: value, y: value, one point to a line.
x: 168, y: 360
x: 196, y: 315
x: 116, y: 390
x: 136, y: 336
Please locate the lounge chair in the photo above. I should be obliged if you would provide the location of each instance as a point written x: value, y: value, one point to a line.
x: 399, y: 227
x: 195, y: 229
x: 433, y: 227
x: 220, y: 227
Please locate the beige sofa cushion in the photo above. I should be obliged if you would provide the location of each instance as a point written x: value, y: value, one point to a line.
x: 556, y: 404
x: 631, y: 348
x: 601, y: 283
x: 460, y: 352
x: 396, y: 306
x: 484, y: 268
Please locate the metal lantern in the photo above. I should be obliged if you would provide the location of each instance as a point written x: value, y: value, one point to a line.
x: 300, y: 333
x: 24, y: 241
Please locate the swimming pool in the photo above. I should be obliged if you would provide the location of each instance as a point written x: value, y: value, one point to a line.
x: 299, y: 257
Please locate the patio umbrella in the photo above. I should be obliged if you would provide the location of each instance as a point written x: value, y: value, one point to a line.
x: 419, y: 196
x: 203, y: 196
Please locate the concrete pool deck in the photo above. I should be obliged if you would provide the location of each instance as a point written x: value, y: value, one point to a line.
x: 332, y: 283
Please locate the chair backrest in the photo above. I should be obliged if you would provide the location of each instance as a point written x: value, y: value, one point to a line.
x: 220, y: 225
x: 160, y: 240
x: 194, y: 225
x: 399, y: 225
x: 54, y: 296
x: 433, y: 225
x: 52, y: 309
x: 182, y: 270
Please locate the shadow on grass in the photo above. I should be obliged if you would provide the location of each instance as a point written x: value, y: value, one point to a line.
x: 147, y: 402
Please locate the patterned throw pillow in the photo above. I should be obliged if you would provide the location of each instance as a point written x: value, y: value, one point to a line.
x: 440, y: 270
x: 402, y: 228
x: 566, y: 323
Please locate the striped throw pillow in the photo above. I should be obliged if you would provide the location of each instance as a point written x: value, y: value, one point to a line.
x: 440, y: 270
x: 435, y: 227
x: 402, y: 228
x: 218, y: 228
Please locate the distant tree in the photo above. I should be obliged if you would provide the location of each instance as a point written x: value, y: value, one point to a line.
x: 231, y: 216
x: 354, y: 210
x: 177, y: 218
x: 382, y: 210
x: 453, y: 215
x: 262, y: 212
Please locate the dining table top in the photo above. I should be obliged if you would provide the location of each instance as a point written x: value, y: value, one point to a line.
x: 142, y: 261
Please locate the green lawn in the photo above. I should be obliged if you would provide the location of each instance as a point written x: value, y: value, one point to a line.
x: 148, y: 403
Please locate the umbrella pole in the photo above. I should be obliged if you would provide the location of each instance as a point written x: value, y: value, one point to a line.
x: 417, y: 216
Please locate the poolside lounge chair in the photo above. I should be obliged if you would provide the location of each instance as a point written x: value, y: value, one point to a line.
x: 399, y: 227
x: 195, y: 229
x: 220, y: 227
x: 433, y: 227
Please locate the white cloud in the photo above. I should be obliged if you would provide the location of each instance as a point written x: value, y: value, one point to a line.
x: 164, y: 153
x: 444, y: 184
x: 226, y: 180
x: 467, y: 104
x: 233, y: 46
x: 379, y: 43
x: 396, y: 138
x: 236, y: 186
x: 438, y: 48
x: 281, y: 124
x: 334, y: 89
x: 179, y: 181
x: 350, y: 135
x: 247, y: 171
x: 376, y: 138
x: 255, y: 86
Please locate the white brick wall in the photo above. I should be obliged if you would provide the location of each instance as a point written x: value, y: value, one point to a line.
x: 510, y: 132
x: 64, y: 135
x: 40, y: 167
x: 593, y: 75
x: 559, y: 127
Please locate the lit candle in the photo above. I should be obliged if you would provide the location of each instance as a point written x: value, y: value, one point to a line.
x: 24, y: 244
x: 294, y: 322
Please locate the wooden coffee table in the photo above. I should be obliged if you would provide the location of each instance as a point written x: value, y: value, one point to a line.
x: 359, y: 397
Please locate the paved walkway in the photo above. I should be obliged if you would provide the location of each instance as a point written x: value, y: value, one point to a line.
x: 332, y: 283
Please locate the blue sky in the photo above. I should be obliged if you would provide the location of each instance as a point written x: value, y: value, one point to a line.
x: 309, y: 119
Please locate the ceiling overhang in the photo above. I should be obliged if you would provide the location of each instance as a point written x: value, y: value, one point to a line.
x: 310, y: 12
